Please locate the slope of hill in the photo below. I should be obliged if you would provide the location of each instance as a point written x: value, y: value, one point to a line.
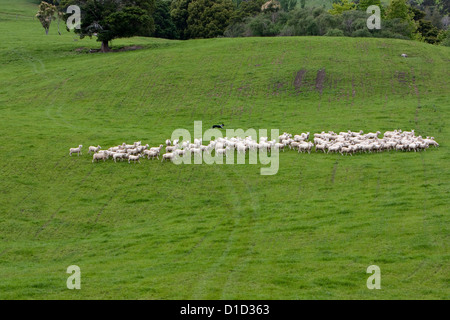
x: 160, y: 231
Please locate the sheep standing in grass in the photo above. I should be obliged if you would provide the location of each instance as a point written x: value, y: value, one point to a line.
x: 346, y: 150
x: 321, y: 147
x: 431, y: 142
x: 100, y: 156
x: 134, y: 158
x: 152, y: 155
x: 221, y: 152
x: 94, y: 149
x: 120, y: 156
x: 346, y: 142
x: 157, y: 149
x: 76, y: 150
x: 335, y: 148
x: 134, y: 151
x: 168, y: 156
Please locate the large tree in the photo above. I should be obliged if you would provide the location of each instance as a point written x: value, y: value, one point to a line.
x: 111, y: 19
x: 164, y: 25
x: 249, y: 8
x: 179, y: 13
x: 201, y: 18
x: 209, y: 18
x: 399, y: 9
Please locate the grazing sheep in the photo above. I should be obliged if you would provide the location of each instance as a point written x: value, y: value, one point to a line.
x: 134, y: 158
x: 94, y: 149
x: 321, y: 147
x: 152, y: 155
x: 168, y: 156
x: 100, y: 156
x: 335, y: 148
x: 75, y: 150
x: 134, y: 151
x: 305, y: 146
x: 431, y: 142
x: 120, y: 156
x: 346, y: 150
x: 157, y: 149
x: 128, y: 146
x: 171, y: 149
x: 346, y: 142
x: 179, y: 152
x: 373, y: 135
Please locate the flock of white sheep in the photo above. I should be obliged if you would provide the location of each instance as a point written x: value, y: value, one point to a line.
x: 347, y: 143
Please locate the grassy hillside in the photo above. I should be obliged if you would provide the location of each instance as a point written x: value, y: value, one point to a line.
x: 161, y: 231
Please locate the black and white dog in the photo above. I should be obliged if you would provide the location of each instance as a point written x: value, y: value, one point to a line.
x: 218, y: 126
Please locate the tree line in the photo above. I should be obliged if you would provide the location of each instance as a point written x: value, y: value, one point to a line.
x: 421, y: 20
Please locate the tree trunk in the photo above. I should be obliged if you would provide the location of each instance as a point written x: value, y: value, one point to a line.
x: 105, y: 46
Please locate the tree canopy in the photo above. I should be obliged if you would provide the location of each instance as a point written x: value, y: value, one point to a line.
x: 201, y: 18
x: 111, y: 19
x: 422, y: 20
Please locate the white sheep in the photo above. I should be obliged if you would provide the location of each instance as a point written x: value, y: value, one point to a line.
x: 94, y: 149
x: 168, y: 156
x: 134, y: 151
x: 100, y: 156
x: 221, y: 152
x: 152, y: 155
x: 170, y: 149
x: 321, y: 147
x: 119, y: 156
x: 75, y: 150
x: 157, y: 149
x: 134, y: 158
x: 240, y: 147
x: 335, y: 148
x: 179, y: 152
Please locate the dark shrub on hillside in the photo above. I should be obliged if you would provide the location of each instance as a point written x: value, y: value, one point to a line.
x: 334, y: 33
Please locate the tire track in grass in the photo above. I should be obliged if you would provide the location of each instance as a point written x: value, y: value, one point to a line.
x: 202, y: 288
x: 333, y: 172
x: 30, y: 60
x: 100, y: 212
x: 255, y: 205
x: 51, y: 106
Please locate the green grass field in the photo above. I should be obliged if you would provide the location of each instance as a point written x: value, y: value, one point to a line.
x: 161, y: 231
